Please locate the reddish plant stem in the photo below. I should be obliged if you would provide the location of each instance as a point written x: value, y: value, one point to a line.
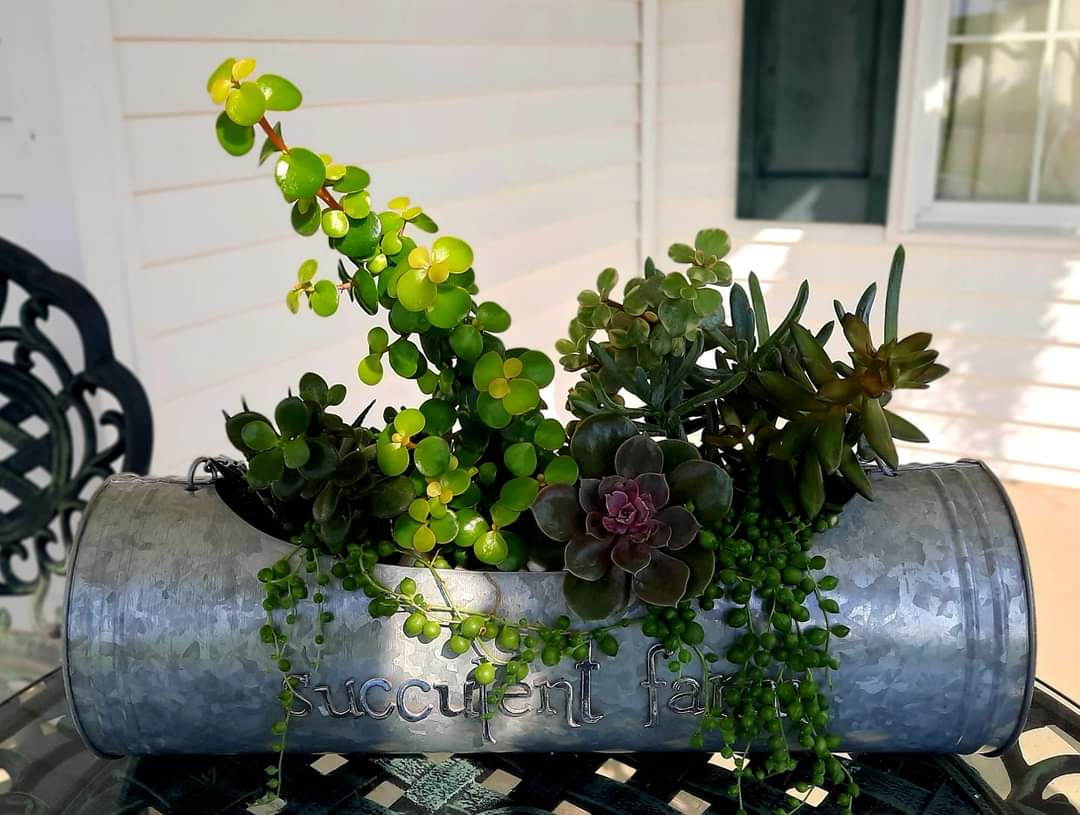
x: 323, y: 193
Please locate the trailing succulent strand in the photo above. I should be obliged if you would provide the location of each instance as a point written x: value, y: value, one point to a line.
x: 708, y: 450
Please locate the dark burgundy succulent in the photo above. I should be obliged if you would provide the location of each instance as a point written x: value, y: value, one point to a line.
x: 621, y: 530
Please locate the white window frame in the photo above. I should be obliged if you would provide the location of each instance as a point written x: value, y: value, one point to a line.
x: 928, y: 25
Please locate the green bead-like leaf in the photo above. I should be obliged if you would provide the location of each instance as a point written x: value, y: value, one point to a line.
x: 324, y: 299
x: 246, y: 105
x: 280, y: 93
x: 299, y: 173
x: 235, y: 139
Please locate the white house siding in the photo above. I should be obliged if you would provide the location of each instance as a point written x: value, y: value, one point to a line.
x: 12, y: 190
x: 1005, y: 315
x: 513, y: 122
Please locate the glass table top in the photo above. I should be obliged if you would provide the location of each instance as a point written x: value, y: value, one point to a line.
x: 44, y: 768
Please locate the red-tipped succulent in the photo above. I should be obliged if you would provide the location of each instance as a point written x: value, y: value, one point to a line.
x: 624, y: 531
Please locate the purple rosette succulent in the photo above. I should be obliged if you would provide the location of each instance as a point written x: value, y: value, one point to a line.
x: 626, y: 524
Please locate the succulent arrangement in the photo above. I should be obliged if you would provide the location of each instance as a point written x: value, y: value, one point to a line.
x: 707, y: 449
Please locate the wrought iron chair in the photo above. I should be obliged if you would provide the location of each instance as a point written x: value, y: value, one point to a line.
x: 69, y: 414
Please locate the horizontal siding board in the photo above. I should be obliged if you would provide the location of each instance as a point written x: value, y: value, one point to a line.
x: 503, y: 21
x: 168, y: 77
x: 698, y: 102
x: 7, y: 106
x: 11, y: 148
x: 13, y: 218
x: 222, y: 284
x: 695, y: 62
x: 1021, y: 402
x: 688, y: 21
x: 186, y: 222
x: 218, y: 350
x: 683, y: 179
x: 174, y: 152
x: 692, y: 143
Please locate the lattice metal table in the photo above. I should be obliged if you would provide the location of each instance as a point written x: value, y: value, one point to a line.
x: 44, y: 768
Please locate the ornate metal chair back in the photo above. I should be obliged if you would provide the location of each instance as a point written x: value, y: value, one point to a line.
x: 70, y: 414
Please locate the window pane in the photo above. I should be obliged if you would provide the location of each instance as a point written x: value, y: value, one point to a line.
x: 988, y: 131
x: 1060, y: 179
x: 1070, y: 15
x: 997, y: 16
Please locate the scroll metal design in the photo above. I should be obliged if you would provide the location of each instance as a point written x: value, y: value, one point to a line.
x: 45, y: 476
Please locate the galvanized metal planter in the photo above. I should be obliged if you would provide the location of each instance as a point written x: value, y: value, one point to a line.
x: 163, y: 655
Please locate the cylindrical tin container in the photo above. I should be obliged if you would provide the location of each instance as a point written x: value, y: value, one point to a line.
x: 163, y: 655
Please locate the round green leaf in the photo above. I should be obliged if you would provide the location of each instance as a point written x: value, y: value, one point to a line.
x: 322, y: 462
x: 235, y: 139
x: 246, y: 105
x: 449, y: 308
x: 223, y: 71
x: 418, y: 509
x: 404, y: 321
x: 393, y: 459
x: 335, y: 223
x: 324, y: 300
x: 491, y: 548
x: 313, y: 387
x: 354, y: 180
x: 410, y: 422
x: 370, y: 370
x: 492, y: 317
x: 296, y: 452
x: 365, y: 290
x: 454, y: 252
x: 523, y: 397
x: 519, y: 493
x: 404, y: 358
x: 357, y: 204
x: 336, y: 395
x: 432, y: 456
x: 445, y: 528
x: 439, y: 415
x: 520, y: 458
x: 307, y: 270
x: 280, y: 93
x: 299, y: 173
x: 561, y: 470
x: 471, y: 525
x: 292, y: 416
x: 268, y: 466
x: 362, y: 239
x: 259, y: 435
x: 502, y: 515
x: 466, y: 342
x: 305, y: 221
x: 405, y: 529
x: 537, y: 367
x: 487, y: 368
x: 518, y: 555
x: 414, y: 291
x: 549, y: 434
x: 491, y: 412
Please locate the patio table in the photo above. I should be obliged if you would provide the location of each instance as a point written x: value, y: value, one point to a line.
x: 45, y: 769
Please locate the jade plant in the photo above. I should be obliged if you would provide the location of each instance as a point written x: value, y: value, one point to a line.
x: 708, y: 448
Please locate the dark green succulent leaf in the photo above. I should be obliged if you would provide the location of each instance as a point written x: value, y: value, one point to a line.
x: 811, y: 484
x: 702, y: 565
x: 792, y: 439
x: 558, y: 513
x: 840, y: 391
x: 858, y: 334
x: 365, y: 289
x: 676, y: 451
x: 729, y: 385
x: 268, y: 465
x: 814, y: 359
x: 787, y: 392
x: 705, y: 485
x: 892, y: 294
x: 904, y: 430
x: 235, y: 139
x: 597, y: 599
x: 742, y: 316
x: 292, y: 416
x: 855, y: 475
x: 761, y: 316
x: 322, y: 463
x: 234, y: 430
x: 313, y: 388
x: 681, y: 253
x: 663, y: 582
x: 824, y: 333
x: 829, y: 442
x: 876, y: 429
x: 713, y: 242
x: 790, y: 319
x: 596, y: 440
x: 638, y: 454
x: 305, y: 219
x: 326, y: 502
